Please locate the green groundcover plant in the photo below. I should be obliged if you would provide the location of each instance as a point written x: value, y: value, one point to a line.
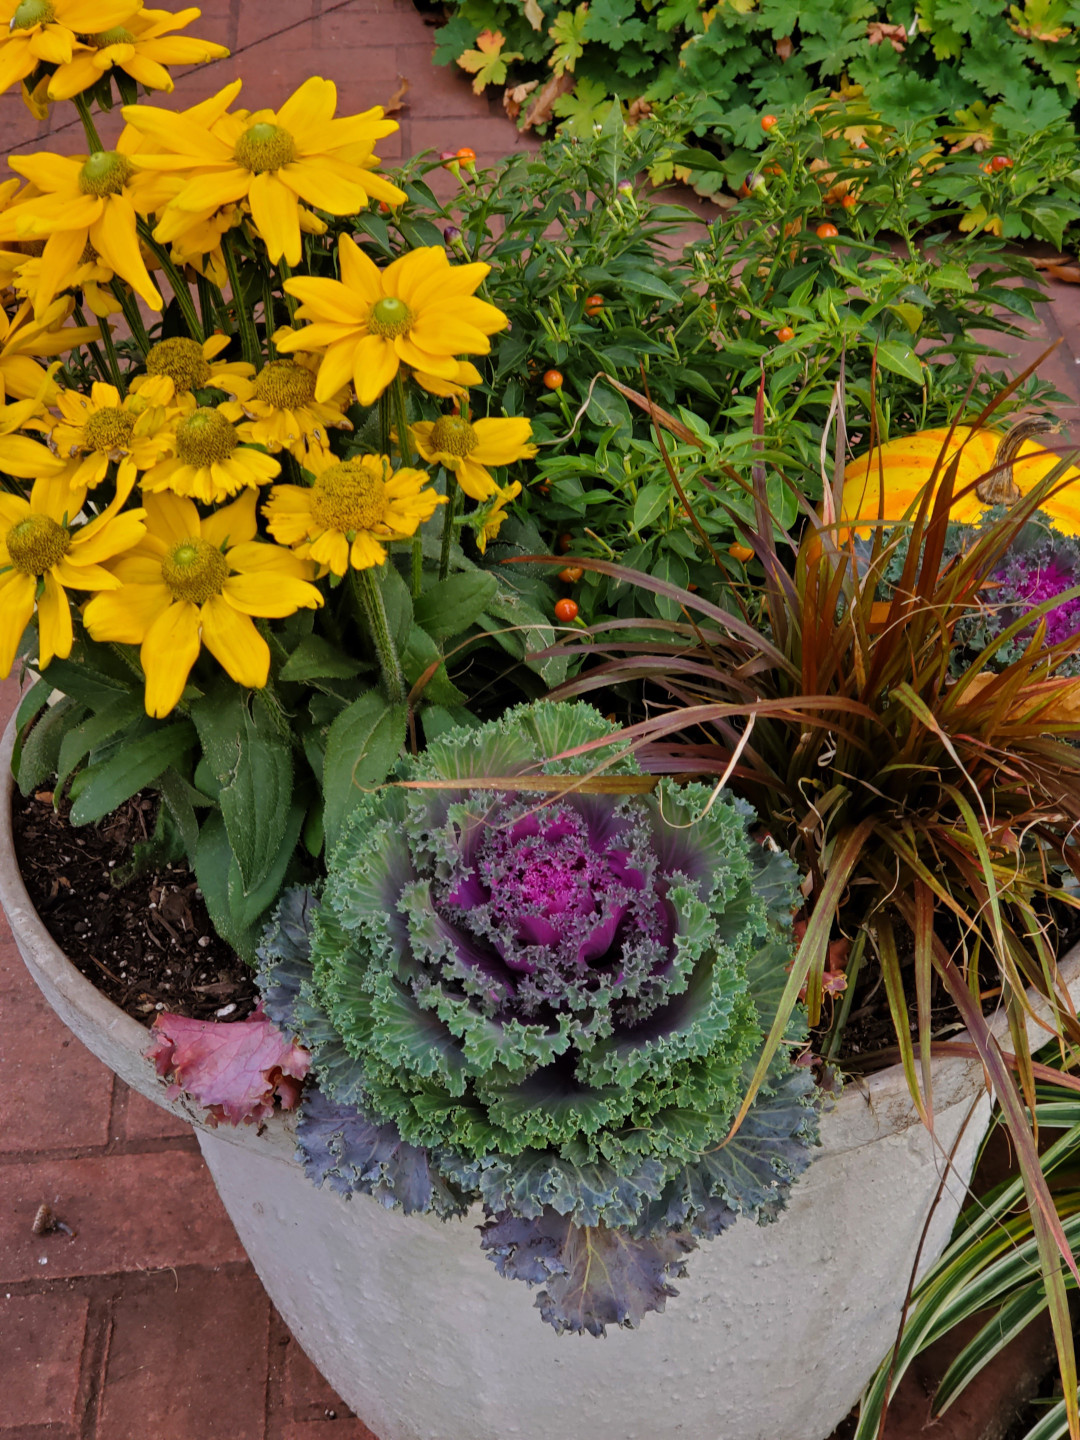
x: 548, y: 998
x: 1004, y: 77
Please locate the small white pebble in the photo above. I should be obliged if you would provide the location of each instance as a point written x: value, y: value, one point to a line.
x: 198, y: 892
x: 160, y: 1005
x: 43, y: 1260
x: 225, y: 1010
x: 152, y: 905
x: 204, y: 941
x: 111, y: 864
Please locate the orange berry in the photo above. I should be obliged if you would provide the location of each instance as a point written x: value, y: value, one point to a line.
x: 828, y: 231
x: 564, y: 543
x: 784, y: 334
x: 553, y: 379
x: 849, y: 202
x: 767, y: 122
x: 571, y: 575
x: 773, y: 170
x: 1001, y: 162
x: 566, y: 610
x: 594, y: 304
x: 742, y: 553
x: 466, y: 154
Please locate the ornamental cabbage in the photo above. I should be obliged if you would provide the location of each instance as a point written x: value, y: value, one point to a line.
x: 548, y: 997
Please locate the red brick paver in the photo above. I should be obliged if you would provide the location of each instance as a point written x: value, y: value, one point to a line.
x: 150, y: 1321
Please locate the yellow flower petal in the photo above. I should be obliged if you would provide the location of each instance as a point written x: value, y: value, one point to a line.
x: 235, y: 643
x: 271, y: 594
x: 125, y: 616
x: 55, y: 635
x: 168, y: 652
x: 16, y: 608
x: 275, y: 212
x: 233, y: 524
x: 358, y: 271
x: 375, y: 363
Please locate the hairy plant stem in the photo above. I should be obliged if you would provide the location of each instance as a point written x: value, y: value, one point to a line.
x: 448, y: 523
x: 207, y: 306
x: 130, y: 307
x: 268, y: 316
x: 400, y: 409
x: 93, y: 139
x: 285, y: 270
x: 249, y: 339
x: 95, y: 353
x: 370, y: 606
x: 180, y: 288
x: 113, y: 359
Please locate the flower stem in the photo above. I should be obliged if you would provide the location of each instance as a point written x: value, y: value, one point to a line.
x: 285, y: 271
x: 179, y: 285
x: 268, y: 315
x: 369, y: 601
x: 113, y: 358
x: 448, y: 524
x: 130, y: 307
x: 401, y: 419
x: 92, y: 137
x: 249, y: 340
x: 95, y: 353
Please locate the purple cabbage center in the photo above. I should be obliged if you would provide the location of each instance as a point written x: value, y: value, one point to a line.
x: 561, y: 913
x: 1027, y: 586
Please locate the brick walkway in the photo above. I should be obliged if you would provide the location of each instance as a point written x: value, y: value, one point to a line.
x: 150, y: 1322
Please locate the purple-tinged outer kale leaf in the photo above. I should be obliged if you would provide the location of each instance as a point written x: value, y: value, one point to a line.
x: 339, y: 1146
x: 592, y: 1276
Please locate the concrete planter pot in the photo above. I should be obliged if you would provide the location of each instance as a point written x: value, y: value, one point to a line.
x: 773, y: 1334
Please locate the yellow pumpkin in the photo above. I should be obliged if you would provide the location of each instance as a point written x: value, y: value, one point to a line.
x: 905, y: 465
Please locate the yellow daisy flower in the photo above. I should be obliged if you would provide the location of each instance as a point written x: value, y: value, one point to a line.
x: 142, y: 46
x: 467, y: 447
x: 178, y: 366
x: 208, y: 462
x: 49, y: 31
x: 83, y: 200
x: 194, y: 582
x: 273, y: 160
x: 420, y: 311
x: 42, y: 556
x: 278, y: 409
x: 24, y: 337
x: 492, y: 522
x: 195, y: 240
x: 100, y: 428
x: 354, y: 507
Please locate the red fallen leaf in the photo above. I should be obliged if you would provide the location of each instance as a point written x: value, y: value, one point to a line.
x: 235, y: 1070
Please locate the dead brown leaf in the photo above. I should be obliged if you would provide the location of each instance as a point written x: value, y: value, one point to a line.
x: 542, y: 107
x: 785, y: 48
x: 877, y: 32
x: 514, y: 96
x: 1060, y: 268
x: 661, y: 417
x: 638, y: 110
x: 397, y: 101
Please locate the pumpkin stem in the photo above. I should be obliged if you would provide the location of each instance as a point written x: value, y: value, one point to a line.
x: 999, y: 487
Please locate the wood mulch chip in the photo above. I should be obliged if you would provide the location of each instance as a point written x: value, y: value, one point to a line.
x: 149, y: 945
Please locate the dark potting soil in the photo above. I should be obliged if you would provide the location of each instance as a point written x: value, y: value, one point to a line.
x: 148, y: 945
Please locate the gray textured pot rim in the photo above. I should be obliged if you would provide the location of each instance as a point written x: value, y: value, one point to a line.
x: 866, y: 1110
